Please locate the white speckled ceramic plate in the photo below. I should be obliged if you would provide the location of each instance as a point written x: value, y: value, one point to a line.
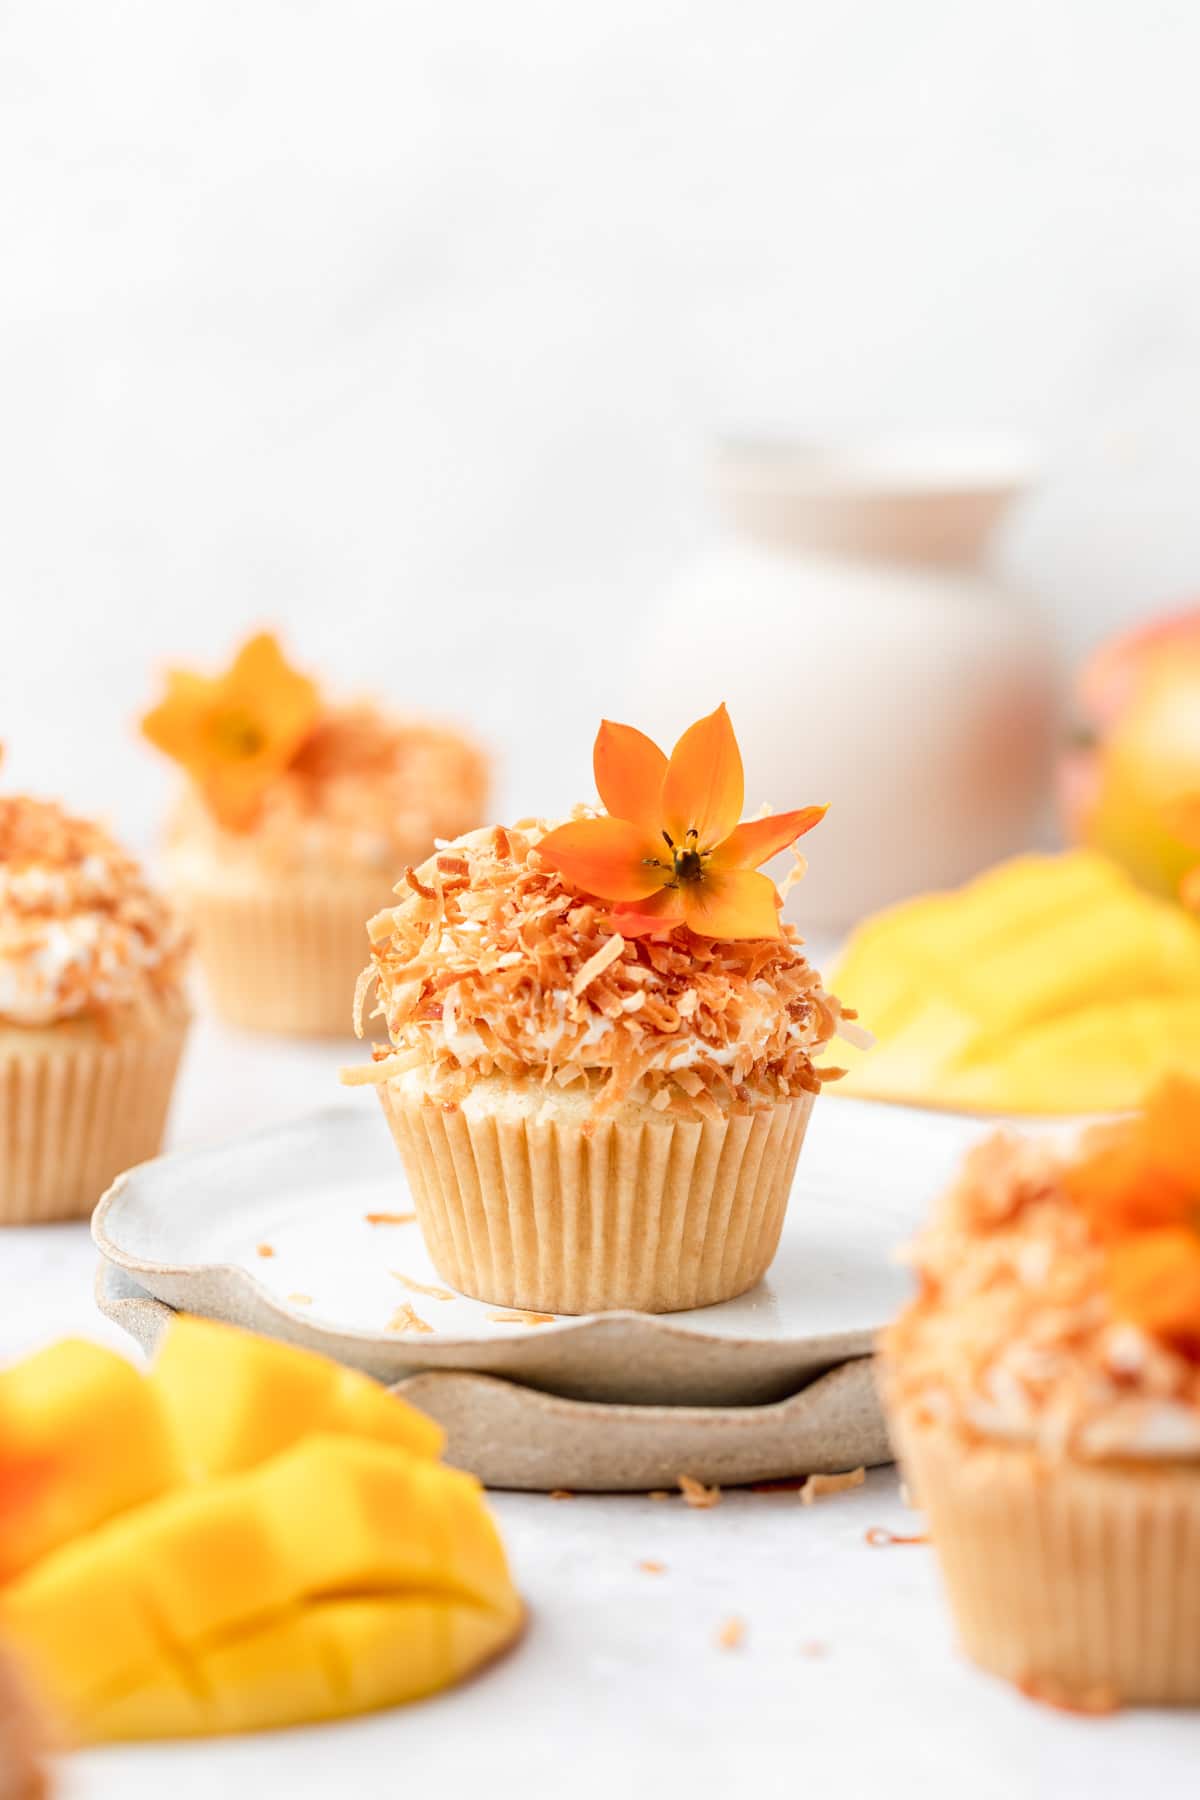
x: 191, y: 1230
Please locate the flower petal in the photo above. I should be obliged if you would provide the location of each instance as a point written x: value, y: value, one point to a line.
x: 1170, y: 1130
x: 756, y: 840
x: 1154, y: 1281
x: 732, y: 903
x: 608, y: 857
x: 703, y: 789
x: 175, y: 725
x: 285, y: 702
x: 661, y: 912
x: 629, y: 769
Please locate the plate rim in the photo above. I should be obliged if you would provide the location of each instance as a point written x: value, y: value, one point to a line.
x: 856, y: 1341
x: 843, y: 1345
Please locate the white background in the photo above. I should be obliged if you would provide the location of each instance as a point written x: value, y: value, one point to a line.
x: 408, y: 327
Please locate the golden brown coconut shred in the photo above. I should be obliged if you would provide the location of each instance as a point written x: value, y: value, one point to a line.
x: 488, y: 954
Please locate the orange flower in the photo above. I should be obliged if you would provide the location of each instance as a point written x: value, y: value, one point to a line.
x: 1143, y: 1174
x: 1138, y: 1183
x: 1154, y: 1282
x: 236, y: 733
x: 671, y: 850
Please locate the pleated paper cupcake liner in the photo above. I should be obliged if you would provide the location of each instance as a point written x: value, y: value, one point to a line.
x: 285, y: 959
x: 75, y: 1110
x: 658, y: 1215
x: 1079, y: 1582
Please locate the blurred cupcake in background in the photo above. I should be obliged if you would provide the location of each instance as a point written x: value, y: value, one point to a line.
x: 93, y: 1013
x: 1043, y: 1392
x: 297, y: 817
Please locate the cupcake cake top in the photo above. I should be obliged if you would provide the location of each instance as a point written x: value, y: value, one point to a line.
x: 599, y: 952
x: 1059, y: 1296
x: 81, y: 931
x: 278, y: 774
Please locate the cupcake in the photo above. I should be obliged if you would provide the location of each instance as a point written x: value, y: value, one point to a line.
x: 92, y: 1012
x: 296, y: 817
x: 602, y: 1040
x: 1043, y: 1390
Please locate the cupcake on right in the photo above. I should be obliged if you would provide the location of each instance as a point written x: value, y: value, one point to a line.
x: 1043, y: 1393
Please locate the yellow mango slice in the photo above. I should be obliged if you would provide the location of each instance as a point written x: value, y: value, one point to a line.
x: 82, y: 1437
x: 342, y: 1574
x: 236, y: 1398
x: 1052, y: 984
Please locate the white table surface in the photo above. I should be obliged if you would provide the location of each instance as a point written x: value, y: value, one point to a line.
x: 619, y: 1686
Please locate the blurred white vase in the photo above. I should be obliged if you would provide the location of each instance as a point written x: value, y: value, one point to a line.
x: 869, y: 659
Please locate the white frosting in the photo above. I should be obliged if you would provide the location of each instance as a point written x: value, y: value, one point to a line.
x: 1034, y: 1397
x: 55, y: 964
x: 682, y: 1049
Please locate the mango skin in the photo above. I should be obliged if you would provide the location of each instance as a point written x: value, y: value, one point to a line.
x: 235, y: 1399
x: 340, y: 1575
x: 1051, y: 985
x: 82, y: 1438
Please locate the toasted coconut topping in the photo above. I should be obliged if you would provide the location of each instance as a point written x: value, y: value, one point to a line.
x: 366, y: 790
x: 490, y: 964
x: 81, y: 930
x: 1012, y: 1333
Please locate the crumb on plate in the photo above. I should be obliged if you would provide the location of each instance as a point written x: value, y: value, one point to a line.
x: 696, y: 1494
x: 406, y: 1318
x: 819, y: 1487
x: 427, y: 1288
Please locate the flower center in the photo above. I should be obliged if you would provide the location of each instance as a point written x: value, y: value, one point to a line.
x: 237, y: 733
x: 687, y: 859
x: 689, y: 864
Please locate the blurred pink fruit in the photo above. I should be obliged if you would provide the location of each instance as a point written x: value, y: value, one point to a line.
x: 1131, y: 785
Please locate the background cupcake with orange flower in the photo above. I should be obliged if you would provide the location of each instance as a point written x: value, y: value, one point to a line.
x: 1043, y: 1390
x: 603, y: 1042
x: 93, y: 1013
x: 297, y: 816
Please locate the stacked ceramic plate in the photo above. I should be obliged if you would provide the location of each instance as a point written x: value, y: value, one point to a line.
x: 307, y: 1233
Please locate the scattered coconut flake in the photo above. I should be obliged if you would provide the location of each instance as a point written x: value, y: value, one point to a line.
x: 880, y: 1538
x: 386, y: 1218
x: 732, y: 1634
x: 372, y: 1074
x: 852, y: 1033
x: 523, y: 1318
x: 818, y: 1487
x: 422, y: 1287
x: 264, y: 1249
x: 695, y: 1492
x: 649, y: 1567
x: 405, y: 1318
